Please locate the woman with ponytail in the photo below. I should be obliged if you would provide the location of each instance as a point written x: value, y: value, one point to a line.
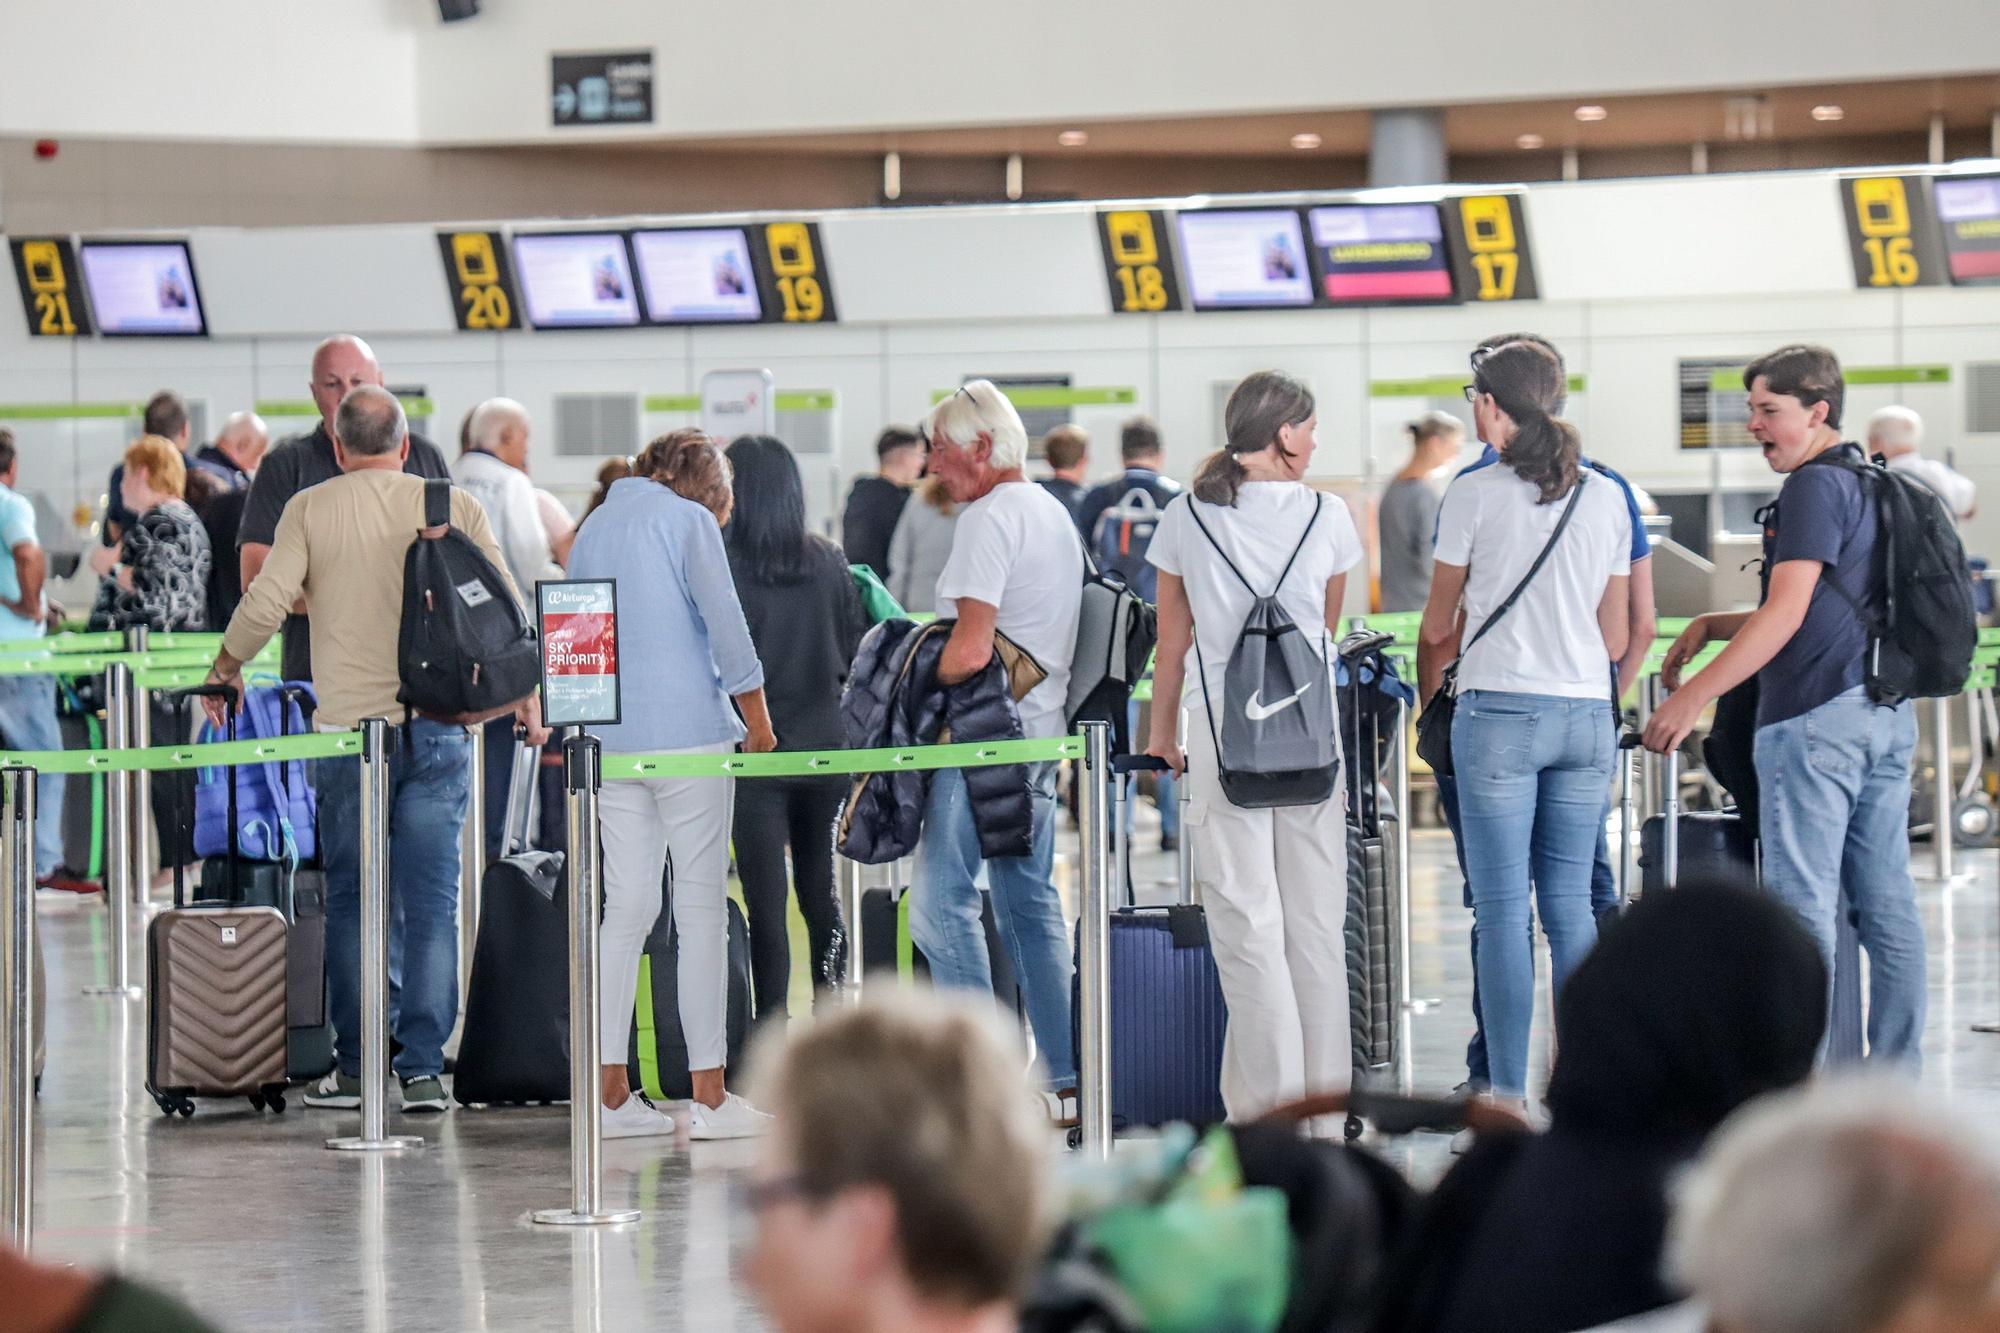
x: 1529, y: 598
x: 1272, y: 878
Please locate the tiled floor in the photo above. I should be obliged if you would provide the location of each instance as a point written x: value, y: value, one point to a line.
x: 249, y: 1219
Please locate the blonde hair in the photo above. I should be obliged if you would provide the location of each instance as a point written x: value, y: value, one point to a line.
x: 961, y: 1154
x: 692, y: 465
x: 165, y: 469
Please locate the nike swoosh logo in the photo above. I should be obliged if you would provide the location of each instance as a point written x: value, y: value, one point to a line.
x: 1257, y: 710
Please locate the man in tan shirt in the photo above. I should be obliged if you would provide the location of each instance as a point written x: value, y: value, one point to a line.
x: 341, y: 544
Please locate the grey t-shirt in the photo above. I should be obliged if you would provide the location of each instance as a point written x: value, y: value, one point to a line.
x: 1408, y: 522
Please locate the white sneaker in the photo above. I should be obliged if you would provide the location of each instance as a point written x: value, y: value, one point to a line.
x: 734, y: 1119
x: 635, y: 1118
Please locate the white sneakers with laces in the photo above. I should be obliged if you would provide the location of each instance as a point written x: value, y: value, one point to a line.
x: 734, y: 1119
x: 634, y: 1118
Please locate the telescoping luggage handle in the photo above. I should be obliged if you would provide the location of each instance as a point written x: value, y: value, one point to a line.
x: 230, y: 701
x: 1670, y: 810
x: 520, y: 793
x: 1122, y: 766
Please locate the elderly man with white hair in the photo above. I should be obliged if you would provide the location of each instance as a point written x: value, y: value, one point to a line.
x: 1897, y: 433
x: 1016, y: 568
x: 1853, y: 1205
x: 494, y: 467
x: 238, y: 449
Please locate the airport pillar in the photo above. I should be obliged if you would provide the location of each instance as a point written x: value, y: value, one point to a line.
x: 1406, y: 147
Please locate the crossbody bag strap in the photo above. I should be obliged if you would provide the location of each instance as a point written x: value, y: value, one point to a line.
x: 437, y: 502
x: 1575, y: 494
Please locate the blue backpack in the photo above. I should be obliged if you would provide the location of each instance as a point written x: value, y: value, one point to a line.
x: 259, y: 812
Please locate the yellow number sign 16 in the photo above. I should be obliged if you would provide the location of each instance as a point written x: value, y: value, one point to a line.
x: 1882, y: 215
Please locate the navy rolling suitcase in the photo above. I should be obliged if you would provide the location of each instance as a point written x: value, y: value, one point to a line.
x: 1167, y: 1013
x: 1370, y: 928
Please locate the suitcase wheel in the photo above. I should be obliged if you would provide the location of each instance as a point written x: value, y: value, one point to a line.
x: 170, y: 1103
x: 1353, y: 1128
x: 270, y: 1099
x: 256, y: 1101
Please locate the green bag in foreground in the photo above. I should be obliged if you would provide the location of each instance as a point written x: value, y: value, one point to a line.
x: 1209, y: 1255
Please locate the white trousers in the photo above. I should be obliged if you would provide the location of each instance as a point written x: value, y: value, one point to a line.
x: 1274, y: 883
x: 644, y: 820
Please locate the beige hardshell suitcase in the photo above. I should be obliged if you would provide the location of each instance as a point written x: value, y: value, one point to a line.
x: 215, y: 994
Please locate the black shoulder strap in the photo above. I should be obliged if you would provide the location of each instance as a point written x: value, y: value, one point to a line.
x: 437, y: 502
x: 1575, y: 494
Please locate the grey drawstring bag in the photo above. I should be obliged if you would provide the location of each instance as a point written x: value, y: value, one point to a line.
x: 1276, y: 745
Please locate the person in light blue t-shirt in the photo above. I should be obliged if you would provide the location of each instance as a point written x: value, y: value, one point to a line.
x: 27, y: 703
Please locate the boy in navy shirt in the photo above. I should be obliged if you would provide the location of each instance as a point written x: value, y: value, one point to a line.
x: 1833, y: 767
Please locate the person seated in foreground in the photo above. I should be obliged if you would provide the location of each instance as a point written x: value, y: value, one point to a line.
x: 53, y: 1298
x: 1692, y: 1004
x: 903, y: 1185
x: 1857, y: 1205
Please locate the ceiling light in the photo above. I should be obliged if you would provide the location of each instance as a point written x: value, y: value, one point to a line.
x: 1828, y: 113
x: 1530, y: 141
x: 1591, y: 113
x: 1073, y: 138
x: 1305, y: 142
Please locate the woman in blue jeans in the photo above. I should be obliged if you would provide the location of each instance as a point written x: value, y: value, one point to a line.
x: 1529, y: 594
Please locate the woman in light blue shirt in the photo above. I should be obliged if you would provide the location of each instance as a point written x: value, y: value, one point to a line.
x: 684, y: 653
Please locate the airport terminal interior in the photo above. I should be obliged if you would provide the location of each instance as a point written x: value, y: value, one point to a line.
x: 742, y: 855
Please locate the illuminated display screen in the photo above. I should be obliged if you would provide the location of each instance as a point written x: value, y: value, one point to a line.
x: 142, y: 289
x: 697, y: 276
x: 1968, y: 209
x: 1368, y: 254
x: 1245, y: 259
x: 576, y: 280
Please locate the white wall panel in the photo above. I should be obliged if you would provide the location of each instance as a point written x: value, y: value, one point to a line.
x: 355, y: 279
x: 984, y: 264
x: 1711, y: 236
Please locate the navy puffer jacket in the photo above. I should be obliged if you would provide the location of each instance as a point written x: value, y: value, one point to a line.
x: 893, y: 699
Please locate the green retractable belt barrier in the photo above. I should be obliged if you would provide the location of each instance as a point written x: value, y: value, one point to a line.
x: 180, y: 758
x: 805, y: 763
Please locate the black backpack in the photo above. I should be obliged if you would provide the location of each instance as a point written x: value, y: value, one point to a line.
x: 1922, y: 635
x: 465, y: 652
x: 1276, y: 744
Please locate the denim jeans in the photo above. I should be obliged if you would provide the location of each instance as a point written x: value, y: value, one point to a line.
x: 1532, y: 775
x: 28, y: 722
x: 1835, y: 786
x: 944, y: 915
x: 428, y: 791
x: 1603, y: 907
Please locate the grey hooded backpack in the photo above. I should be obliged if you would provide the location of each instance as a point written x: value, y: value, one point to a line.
x: 1276, y: 744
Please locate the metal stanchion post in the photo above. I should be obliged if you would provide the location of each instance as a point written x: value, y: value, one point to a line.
x: 848, y: 876
x: 1670, y: 829
x: 583, y: 773
x: 374, y: 950
x: 1399, y: 772
x: 471, y: 861
x: 1941, y: 821
x: 17, y: 983
x: 143, y: 840
x: 118, y: 856
x: 1626, y: 758
x: 1649, y: 764
x: 1093, y: 943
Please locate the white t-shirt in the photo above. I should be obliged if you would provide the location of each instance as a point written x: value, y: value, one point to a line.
x: 1549, y: 643
x: 1259, y: 533
x: 1957, y: 492
x: 508, y: 498
x: 1016, y: 549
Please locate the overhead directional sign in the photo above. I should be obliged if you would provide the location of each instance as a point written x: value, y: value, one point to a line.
x: 601, y: 88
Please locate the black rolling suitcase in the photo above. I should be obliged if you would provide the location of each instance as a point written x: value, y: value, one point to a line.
x: 1371, y: 907
x: 513, y: 1047
x: 298, y: 892
x: 83, y: 796
x: 657, y: 1059
x: 1166, y: 1009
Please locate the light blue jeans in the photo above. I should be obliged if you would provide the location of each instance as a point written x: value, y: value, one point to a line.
x: 28, y: 722
x: 1835, y: 816
x: 1532, y: 771
x: 429, y: 788
x: 944, y: 916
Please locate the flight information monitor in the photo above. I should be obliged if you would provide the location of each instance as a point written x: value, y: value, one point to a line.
x: 1245, y: 259
x: 142, y: 289
x: 1968, y: 208
x: 576, y: 280
x: 700, y: 275
x: 1374, y: 254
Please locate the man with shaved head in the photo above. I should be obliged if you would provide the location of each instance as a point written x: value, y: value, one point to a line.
x: 340, y: 364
